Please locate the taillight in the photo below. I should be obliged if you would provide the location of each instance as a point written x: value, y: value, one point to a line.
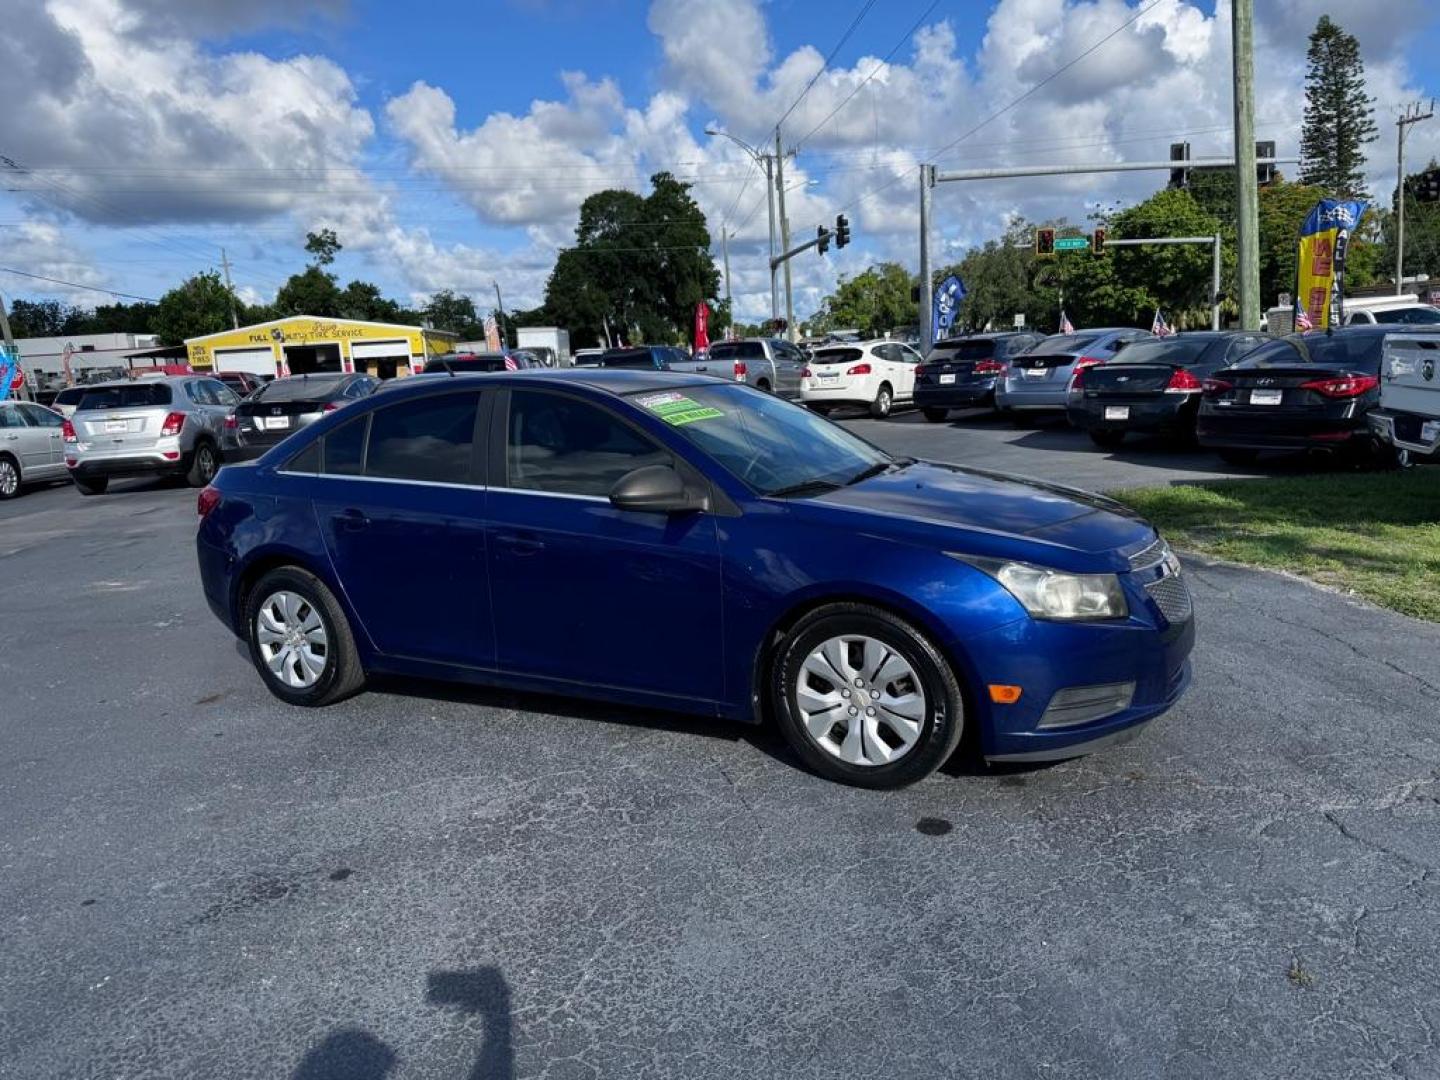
x: 1078, y: 379
x: 859, y: 369
x: 806, y: 373
x: 989, y: 367
x: 1342, y: 387
x: 1183, y: 381
x: 1216, y: 387
x: 741, y: 370
x: 231, y: 422
x: 68, y: 430
x: 208, y: 500
x: 173, y: 423
x: 329, y: 406
x: 1086, y: 361
x: 919, y: 370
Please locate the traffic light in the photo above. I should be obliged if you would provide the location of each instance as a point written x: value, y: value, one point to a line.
x: 1045, y: 243
x: 1179, y: 151
x: 1426, y: 186
x: 1097, y: 241
x: 822, y: 239
x: 842, y: 231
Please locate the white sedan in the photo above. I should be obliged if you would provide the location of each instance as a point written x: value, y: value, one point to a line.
x: 875, y: 374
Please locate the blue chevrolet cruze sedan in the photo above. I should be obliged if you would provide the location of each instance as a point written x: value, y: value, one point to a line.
x: 680, y: 542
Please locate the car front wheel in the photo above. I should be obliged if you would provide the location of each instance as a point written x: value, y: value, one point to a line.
x: 300, y: 640
x: 864, y: 698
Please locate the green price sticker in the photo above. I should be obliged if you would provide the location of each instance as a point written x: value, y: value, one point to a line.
x: 677, y: 409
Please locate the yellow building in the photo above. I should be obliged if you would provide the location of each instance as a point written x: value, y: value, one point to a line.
x: 301, y: 345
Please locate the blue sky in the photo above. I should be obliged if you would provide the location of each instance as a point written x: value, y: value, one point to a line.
x: 449, y: 143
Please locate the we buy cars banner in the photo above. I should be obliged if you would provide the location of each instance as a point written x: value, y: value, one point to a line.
x: 1320, y: 268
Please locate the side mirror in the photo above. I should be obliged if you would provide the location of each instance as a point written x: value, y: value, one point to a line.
x: 656, y: 489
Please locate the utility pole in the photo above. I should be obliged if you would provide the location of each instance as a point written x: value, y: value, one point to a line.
x: 500, y: 312
x: 927, y: 300
x: 725, y: 253
x: 784, y: 234
x: 1412, y: 115
x: 1247, y: 187
x: 234, y: 315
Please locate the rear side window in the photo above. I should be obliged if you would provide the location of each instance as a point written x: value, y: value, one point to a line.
x: 561, y: 445
x: 345, y: 448
x: 39, y: 417
x: 143, y: 395
x: 307, y: 461
x: 430, y: 439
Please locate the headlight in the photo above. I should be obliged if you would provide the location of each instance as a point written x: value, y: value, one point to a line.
x: 1055, y: 594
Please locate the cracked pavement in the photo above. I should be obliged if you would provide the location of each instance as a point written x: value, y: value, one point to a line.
x: 430, y: 882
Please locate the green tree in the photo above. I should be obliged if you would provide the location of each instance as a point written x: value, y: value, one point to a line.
x: 1339, y: 113
x: 198, y: 306
x: 38, y: 318
x: 455, y: 312
x: 310, y: 292
x: 323, y: 246
x: 874, y: 302
x: 363, y: 300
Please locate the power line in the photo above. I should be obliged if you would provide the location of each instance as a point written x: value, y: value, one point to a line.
x: 77, y: 285
x: 854, y: 23
x: 873, y: 72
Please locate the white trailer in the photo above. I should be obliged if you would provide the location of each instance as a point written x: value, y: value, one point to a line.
x: 550, y: 343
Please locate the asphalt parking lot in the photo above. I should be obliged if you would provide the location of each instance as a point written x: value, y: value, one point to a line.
x: 429, y: 882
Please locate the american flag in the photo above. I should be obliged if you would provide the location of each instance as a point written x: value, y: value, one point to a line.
x: 1065, y: 325
x: 1302, y: 319
x: 1159, y: 327
x: 510, y: 364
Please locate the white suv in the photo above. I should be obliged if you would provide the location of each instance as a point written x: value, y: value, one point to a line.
x: 875, y: 374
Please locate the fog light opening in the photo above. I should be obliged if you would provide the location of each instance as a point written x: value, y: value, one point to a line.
x: 1086, y: 704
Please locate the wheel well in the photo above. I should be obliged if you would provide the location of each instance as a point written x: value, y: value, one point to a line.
x: 254, y: 572
x: 762, y: 384
x: 765, y: 660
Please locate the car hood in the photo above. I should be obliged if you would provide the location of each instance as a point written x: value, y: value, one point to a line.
x: 998, y: 507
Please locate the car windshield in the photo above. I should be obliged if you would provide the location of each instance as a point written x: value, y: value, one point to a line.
x: 1064, y: 343
x: 979, y: 349
x: 1175, y: 350
x: 305, y: 388
x: 1408, y: 315
x: 139, y: 396
x: 770, y: 445
x: 837, y: 356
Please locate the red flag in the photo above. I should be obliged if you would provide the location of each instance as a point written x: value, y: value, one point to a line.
x: 702, y: 328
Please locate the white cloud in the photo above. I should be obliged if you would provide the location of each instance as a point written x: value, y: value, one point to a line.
x: 40, y: 247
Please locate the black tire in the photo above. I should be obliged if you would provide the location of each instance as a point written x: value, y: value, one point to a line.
x: 1107, y: 440
x: 9, y: 477
x: 204, y: 464
x: 342, y: 675
x: 936, y: 416
x: 941, y: 729
x: 884, y: 402
x: 1238, y: 457
x: 96, y: 486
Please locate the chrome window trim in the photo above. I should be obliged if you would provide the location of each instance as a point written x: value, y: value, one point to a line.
x: 383, y: 480
x: 554, y: 494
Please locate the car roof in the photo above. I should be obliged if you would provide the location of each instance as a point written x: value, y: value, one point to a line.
x: 618, y: 381
x: 1363, y: 329
x: 984, y: 335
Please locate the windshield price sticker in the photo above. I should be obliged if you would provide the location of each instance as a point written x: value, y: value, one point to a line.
x: 677, y: 409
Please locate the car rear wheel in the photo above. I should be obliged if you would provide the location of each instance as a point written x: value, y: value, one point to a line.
x: 9, y: 477
x: 96, y: 486
x: 864, y: 698
x: 203, y: 466
x: 1109, y: 440
x: 883, y: 403
x: 300, y: 640
x: 1239, y: 457
x: 936, y: 416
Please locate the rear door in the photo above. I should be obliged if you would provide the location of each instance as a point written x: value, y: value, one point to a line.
x: 27, y: 443
x: 789, y: 364
x: 401, y: 506
x: 904, y: 361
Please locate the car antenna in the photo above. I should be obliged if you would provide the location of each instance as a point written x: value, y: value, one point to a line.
x: 444, y: 359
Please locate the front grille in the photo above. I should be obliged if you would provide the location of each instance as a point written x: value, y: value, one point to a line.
x: 1172, y: 598
x: 1150, y: 555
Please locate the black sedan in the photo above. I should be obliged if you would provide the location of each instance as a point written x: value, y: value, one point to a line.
x: 1305, y: 392
x: 1153, y: 386
x: 286, y: 405
x: 960, y: 373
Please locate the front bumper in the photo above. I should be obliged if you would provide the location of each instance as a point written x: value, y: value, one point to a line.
x: 955, y: 396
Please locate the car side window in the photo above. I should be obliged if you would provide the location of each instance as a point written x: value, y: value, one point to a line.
x: 565, y: 446
x: 906, y: 355
x: 192, y: 391
x: 344, y: 453
x: 430, y: 439
x: 222, y: 394
x: 10, y: 418
x: 39, y: 417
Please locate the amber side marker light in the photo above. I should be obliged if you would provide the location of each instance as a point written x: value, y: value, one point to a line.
x: 1004, y: 695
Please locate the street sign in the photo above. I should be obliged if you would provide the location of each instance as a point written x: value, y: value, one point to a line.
x: 1072, y: 243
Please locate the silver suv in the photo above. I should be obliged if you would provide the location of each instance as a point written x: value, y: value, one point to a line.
x: 172, y: 426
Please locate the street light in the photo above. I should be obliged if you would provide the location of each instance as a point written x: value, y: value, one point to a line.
x: 767, y: 162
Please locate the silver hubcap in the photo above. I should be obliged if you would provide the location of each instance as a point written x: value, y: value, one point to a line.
x: 207, y: 462
x: 860, y: 700
x: 292, y: 639
x: 9, y: 478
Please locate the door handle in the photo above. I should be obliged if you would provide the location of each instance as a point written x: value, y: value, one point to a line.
x: 12, y: 438
x: 351, y: 521
x: 520, y: 543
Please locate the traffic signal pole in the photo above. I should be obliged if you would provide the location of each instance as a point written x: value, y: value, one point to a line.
x: 1412, y: 115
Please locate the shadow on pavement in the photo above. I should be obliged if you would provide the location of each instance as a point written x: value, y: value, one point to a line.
x: 347, y: 1054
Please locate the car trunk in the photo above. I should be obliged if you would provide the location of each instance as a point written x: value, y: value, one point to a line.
x: 1274, y: 389
x: 1128, y: 381
x: 959, y: 365
x: 272, y: 421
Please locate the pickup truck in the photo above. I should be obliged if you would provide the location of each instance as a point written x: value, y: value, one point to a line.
x: 1408, y: 416
x: 767, y: 364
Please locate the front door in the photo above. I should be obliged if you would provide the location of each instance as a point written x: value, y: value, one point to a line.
x: 49, y: 438
x: 584, y: 593
x: 402, y: 509
x: 28, y: 444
